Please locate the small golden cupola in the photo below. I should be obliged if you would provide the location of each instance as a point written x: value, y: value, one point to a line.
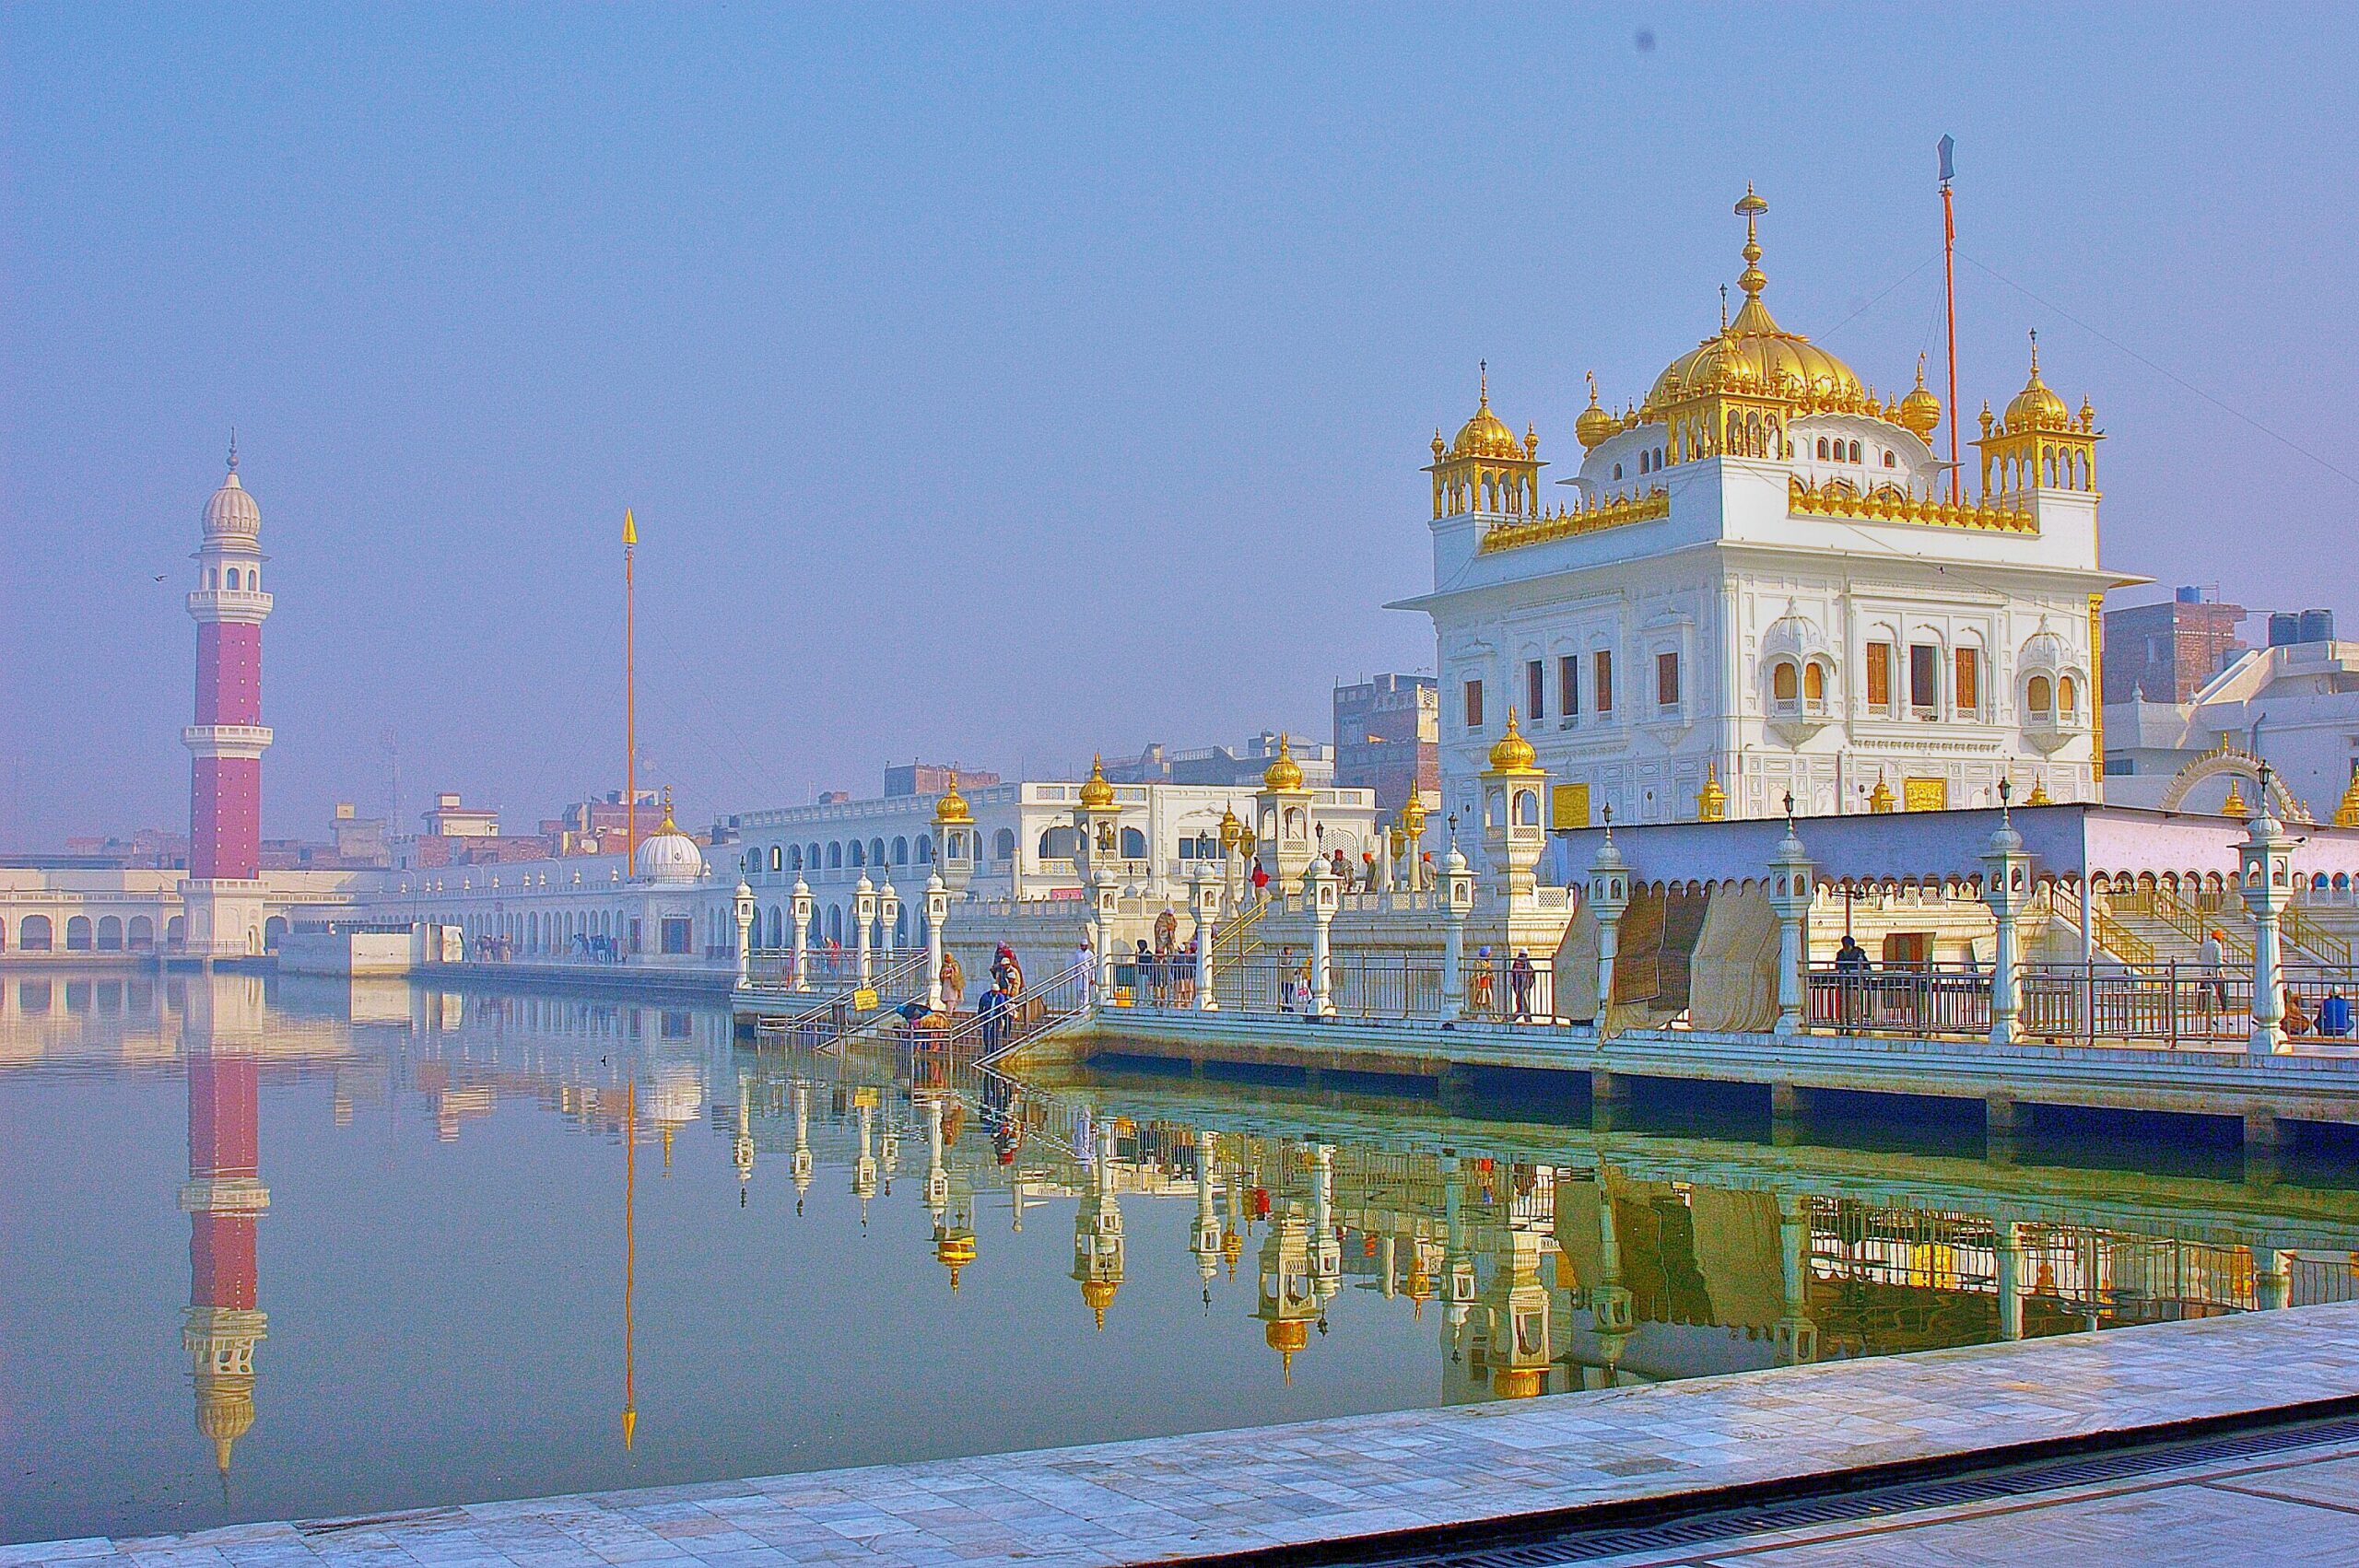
x: 1511, y: 752
x: 951, y: 810
x: 2039, y: 444
x: 1921, y: 411
x: 1486, y: 471
x: 1284, y: 773
x: 1095, y: 792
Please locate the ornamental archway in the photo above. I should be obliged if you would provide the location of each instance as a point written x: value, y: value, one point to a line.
x: 2232, y: 761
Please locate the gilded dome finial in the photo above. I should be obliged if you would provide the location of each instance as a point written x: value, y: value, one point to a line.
x: 1284, y: 773
x: 233, y: 449
x: 1595, y: 425
x: 667, y: 825
x: 1482, y: 377
x: 1750, y: 208
x: 1921, y: 411
x: 1513, y: 754
x: 1095, y: 792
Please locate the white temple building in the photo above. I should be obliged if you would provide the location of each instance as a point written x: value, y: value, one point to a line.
x: 1765, y: 580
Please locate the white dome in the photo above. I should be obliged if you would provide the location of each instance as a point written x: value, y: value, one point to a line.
x: 1796, y: 635
x: 231, y: 510
x: 2046, y: 650
x: 670, y: 856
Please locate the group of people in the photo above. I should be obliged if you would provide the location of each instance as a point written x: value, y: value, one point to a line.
x: 1365, y: 878
x: 1167, y: 973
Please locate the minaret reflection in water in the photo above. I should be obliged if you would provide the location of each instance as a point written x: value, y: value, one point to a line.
x: 224, y: 1197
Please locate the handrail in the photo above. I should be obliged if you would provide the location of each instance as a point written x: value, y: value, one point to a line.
x: 895, y: 979
x: 2192, y: 922
x: 2305, y: 933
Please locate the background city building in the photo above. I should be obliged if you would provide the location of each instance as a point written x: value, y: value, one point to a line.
x: 1388, y: 738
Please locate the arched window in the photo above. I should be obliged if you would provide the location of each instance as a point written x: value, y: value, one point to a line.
x: 777, y: 858
x: 1785, y: 683
x: 1822, y: 446
x: 33, y: 934
x: 1003, y: 844
x: 77, y: 934
x: 926, y: 851
x: 141, y: 937
x: 1617, y: 471
x: 175, y: 931
x: 1890, y: 460
x: 1133, y: 844
x: 836, y: 856
x: 2037, y: 698
x: 900, y: 851
x: 1855, y: 452
x: 1059, y: 843
x: 2067, y: 695
x: 1814, y: 684
x: 876, y: 851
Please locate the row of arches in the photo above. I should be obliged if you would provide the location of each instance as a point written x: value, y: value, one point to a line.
x: 106, y: 933
x: 248, y: 580
x: 2053, y: 467
x: 773, y: 928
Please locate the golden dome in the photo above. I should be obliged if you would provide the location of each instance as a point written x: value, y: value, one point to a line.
x: 1284, y: 773
x: 2036, y: 407
x: 1754, y: 354
x: 1096, y: 793
x: 225, y: 1413
x: 951, y: 810
x: 1595, y: 425
x: 1485, y: 435
x: 1921, y: 411
x: 2346, y: 814
x: 1513, y: 754
x: 1232, y: 831
x: 1516, y: 1381
x: 1100, y: 1294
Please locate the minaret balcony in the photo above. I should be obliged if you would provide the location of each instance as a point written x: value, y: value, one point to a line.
x: 247, y: 741
x: 234, y: 604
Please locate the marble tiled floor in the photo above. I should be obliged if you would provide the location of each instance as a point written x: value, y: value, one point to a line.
x: 2301, y: 1508
x: 1146, y: 1501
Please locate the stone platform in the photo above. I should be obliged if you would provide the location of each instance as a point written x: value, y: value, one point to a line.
x: 1555, y: 1459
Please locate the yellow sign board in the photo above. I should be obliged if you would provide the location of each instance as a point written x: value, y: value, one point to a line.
x: 864, y: 1000
x: 1568, y: 805
x: 1925, y: 794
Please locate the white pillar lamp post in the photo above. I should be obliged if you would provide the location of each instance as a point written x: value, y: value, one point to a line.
x: 745, y: 911
x: 1320, y: 891
x: 889, y: 915
x: 2006, y: 888
x: 799, y: 904
x: 2265, y: 878
x: 1791, y: 888
x: 937, y: 915
x: 1457, y: 905
x: 1609, y: 896
x: 1205, y: 901
x: 864, y: 914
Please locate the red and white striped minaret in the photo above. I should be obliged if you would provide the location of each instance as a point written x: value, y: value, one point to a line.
x: 224, y: 891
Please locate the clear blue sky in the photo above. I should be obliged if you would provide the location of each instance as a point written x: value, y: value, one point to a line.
x: 1000, y: 383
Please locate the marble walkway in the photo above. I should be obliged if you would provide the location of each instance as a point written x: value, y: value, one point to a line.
x: 1216, y: 1493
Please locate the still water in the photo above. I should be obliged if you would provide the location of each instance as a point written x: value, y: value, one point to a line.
x: 274, y: 1250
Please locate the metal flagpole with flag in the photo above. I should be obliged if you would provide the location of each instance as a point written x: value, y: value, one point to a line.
x: 630, y: 697
x: 1948, y: 145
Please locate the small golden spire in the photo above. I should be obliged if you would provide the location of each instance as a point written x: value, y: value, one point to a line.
x: 2347, y: 813
x: 667, y: 825
x: 1880, y: 799
x: 1711, y: 801
x: 1595, y: 426
x: 2234, y: 806
x: 2039, y: 795
x: 631, y: 528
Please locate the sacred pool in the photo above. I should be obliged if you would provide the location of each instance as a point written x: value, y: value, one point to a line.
x: 285, y: 1249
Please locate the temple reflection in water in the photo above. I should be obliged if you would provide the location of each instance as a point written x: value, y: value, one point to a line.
x: 1529, y: 1256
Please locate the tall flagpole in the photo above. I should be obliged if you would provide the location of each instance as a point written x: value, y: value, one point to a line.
x: 630, y: 696
x: 1949, y: 286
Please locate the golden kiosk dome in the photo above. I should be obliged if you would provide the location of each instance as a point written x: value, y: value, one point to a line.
x: 1096, y: 793
x: 1100, y: 1294
x: 1754, y: 354
x: 1921, y: 411
x: 2036, y: 408
x: 1413, y: 815
x: 1486, y: 435
x: 1284, y: 773
x: 1513, y: 754
x: 951, y: 810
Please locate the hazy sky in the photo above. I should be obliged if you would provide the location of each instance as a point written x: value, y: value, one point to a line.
x: 996, y: 384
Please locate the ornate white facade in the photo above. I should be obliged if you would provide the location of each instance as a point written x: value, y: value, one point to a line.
x: 1762, y: 585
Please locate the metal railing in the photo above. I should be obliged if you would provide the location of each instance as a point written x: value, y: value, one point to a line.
x: 2169, y: 1005
x: 1377, y: 989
